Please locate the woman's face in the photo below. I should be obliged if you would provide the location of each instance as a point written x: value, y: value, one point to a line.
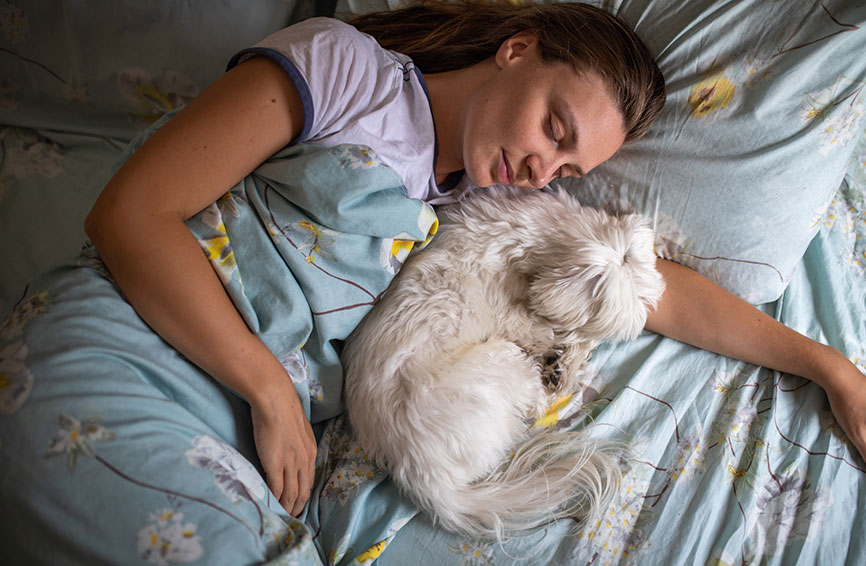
x: 534, y: 121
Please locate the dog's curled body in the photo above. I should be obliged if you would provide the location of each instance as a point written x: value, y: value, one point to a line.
x: 477, y: 333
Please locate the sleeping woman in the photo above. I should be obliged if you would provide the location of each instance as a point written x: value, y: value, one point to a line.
x: 531, y: 94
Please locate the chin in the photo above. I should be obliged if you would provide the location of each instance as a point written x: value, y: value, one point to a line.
x: 476, y: 336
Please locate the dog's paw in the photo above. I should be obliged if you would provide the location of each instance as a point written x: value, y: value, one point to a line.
x: 551, y: 370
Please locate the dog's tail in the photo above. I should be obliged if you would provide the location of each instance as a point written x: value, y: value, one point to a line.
x: 553, y: 475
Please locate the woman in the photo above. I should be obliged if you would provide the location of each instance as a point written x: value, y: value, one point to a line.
x: 512, y: 108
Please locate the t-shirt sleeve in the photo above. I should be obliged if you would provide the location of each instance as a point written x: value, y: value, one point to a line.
x: 338, y: 71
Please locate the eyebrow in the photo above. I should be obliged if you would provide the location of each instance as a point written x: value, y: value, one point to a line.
x: 571, y: 122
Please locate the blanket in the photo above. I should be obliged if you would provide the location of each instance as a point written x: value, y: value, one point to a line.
x: 116, y: 449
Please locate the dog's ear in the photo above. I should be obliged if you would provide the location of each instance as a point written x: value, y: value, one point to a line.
x: 604, y: 281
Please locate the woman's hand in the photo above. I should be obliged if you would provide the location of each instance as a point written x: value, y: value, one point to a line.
x: 846, y: 390
x: 286, y: 446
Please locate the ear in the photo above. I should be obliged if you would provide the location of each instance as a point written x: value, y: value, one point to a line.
x: 515, y: 47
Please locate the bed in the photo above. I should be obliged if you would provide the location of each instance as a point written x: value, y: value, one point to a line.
x: 755, y: 176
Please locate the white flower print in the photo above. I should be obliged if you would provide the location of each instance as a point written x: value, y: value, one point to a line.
x: 35, y: 155
x: 155, y: 97
x: 280, y: 534
x: 614, y: 535
x: 346, y: 480
x: 348, y: 466
x: 169, y: 541
x: 689, y: 459
x: 294, y: 366
x: 163, y: 517
x: 317, y: 392
x: 839, y: 129
x: 473, y: 553
x: 816, y: 104
x: 75, y: 437
x: 838, y: 110
x: 857, y: 165
x: 23, y: 313
x: 233, y: 473
x: 340, y: 549
x: 75, y: 92
x: 357, y: 156
x: 16, y: 380
x: 789, y: 510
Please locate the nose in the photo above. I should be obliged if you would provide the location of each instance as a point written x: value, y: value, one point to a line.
x: 541, y: 169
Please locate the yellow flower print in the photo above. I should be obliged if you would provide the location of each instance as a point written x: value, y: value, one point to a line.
x: 737, y: 473
x: 317, y: 239
x: 155, y: 96
x: 392, y: 253
x: 428, y: 223
x: 434, y: 227
x: 551, y: 415
x: 220, y: 253
x: 218, y: 247
x: 710, y: 95
x: 372, y: 553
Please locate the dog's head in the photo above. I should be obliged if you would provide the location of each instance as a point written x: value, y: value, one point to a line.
x: 598, y: 276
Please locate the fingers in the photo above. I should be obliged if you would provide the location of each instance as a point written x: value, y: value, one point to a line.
x: 274, y: 480
x: 305, y: 485
x: 289, y: 497
x: 306, y: 473
x: 287, y: 449
x: 291, y: 477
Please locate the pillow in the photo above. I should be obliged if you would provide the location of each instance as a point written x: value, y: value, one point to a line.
x: 765, y: 103
x: 111, y: 68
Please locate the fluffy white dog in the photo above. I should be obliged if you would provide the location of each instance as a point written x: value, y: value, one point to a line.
x: 475, y: 337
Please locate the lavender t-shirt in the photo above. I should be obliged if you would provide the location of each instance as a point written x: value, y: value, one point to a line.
x: 355, y: 91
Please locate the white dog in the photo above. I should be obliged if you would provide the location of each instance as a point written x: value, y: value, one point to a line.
x: 479, y: 332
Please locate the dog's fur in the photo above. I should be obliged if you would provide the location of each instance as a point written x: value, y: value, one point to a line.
x: 478, y: 333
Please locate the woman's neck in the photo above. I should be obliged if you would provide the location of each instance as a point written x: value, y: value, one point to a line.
x: 449, y: 93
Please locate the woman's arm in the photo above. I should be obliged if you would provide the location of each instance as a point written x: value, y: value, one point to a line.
x: 137, y: 224
x: 696, y: 311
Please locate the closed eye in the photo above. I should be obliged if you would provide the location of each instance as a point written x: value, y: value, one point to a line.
x: 551, y: 129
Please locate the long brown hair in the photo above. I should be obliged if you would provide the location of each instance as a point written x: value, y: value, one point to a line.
x: 443, y: 36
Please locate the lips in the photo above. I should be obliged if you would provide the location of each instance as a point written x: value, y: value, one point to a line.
x: 505, y: 175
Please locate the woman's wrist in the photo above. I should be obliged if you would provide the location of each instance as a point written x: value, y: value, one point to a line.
x: 264, y: 388
x: 825, y: 365
x: 251, y: 370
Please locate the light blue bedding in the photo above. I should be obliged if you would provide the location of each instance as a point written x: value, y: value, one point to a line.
x: 116, y: 449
